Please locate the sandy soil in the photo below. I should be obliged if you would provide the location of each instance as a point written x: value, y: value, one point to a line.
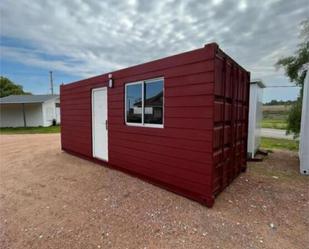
x: 50, y: 199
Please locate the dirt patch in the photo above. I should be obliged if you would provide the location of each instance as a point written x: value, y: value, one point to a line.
x: 50, y: 199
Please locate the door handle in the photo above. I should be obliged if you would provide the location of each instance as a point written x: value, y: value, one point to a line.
x: 106, y: 124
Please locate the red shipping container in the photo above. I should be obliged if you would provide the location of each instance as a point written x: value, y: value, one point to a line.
x: 179, y: 122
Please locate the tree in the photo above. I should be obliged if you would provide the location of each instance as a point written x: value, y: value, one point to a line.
x: 296, y: 68
x: 7, y: 87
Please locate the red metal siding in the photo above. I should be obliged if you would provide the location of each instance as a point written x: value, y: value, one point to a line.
x: 230, y: 121
x: 76, y: 125
x: 181, y: 155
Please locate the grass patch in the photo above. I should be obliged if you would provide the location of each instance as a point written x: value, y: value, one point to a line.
x: 275, y: 116
x: 275, y: 143
x: 274, y: 123
x: 30, y: 130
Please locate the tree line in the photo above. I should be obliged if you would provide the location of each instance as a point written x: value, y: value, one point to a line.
x: 280, y: 102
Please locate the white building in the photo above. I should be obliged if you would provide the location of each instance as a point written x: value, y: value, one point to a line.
x: 29, y: 110
x: 255, y: 117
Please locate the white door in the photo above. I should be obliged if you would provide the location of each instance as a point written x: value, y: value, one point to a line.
x: 99, y: 123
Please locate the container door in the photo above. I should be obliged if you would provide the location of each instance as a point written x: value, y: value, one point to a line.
x: 99, y: 124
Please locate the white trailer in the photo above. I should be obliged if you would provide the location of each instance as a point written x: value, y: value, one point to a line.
x: 255, y: 117
x: 304, y: 132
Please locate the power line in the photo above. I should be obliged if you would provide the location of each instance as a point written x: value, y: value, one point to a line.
x: 279, y: 86
x: 51, y: 82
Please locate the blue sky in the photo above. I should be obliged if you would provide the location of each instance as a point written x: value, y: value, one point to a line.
x: 34, y: 79
x: 77, y: 39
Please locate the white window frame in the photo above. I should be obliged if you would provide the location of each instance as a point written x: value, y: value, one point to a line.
x: 142, y: 124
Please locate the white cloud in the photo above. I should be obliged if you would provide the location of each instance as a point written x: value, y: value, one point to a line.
x: 242, y: 6
x: 217, y: 2
x: 93, y: 37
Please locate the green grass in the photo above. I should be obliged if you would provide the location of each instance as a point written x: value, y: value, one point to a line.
x: 274, y: 123
x: 275, y: 143
x: 30, y: 130
x: 275, y: 117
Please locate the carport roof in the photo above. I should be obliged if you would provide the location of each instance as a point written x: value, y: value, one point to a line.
x: 23, y: 99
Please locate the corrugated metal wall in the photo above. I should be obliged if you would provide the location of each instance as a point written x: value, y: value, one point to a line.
x: 230, y: 121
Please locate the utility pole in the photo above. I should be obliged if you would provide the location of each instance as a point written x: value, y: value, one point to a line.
x: 24, y: 115
x: 51, y: 82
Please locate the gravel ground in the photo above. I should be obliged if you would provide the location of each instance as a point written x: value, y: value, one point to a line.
x: 50, y: 199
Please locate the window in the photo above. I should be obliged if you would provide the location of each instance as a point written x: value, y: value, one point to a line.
x: 144, y: 103
x: 134, y: 103
x: 153, y: 103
